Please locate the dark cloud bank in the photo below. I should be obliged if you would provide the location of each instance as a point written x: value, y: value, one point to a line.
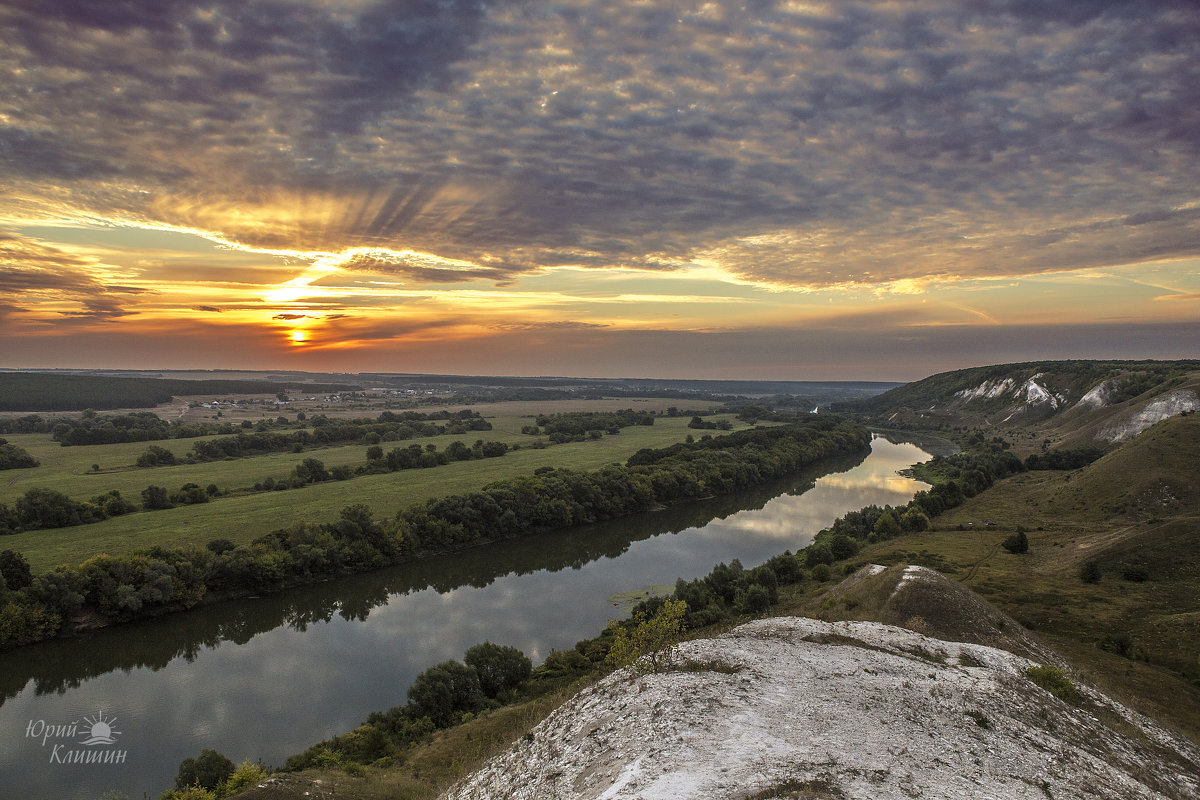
x: 855, y: 142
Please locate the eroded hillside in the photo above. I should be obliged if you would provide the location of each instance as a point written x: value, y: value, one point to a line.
x: 1058, y: 402
x: 794, y: 707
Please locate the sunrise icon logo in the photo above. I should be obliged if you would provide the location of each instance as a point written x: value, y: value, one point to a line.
x: 100, y: 730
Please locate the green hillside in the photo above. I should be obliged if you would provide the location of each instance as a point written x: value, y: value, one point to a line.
x: 1056, y: 403
x: 1134, y: 516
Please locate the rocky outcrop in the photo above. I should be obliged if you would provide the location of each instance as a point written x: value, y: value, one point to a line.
x: 1168, y: 405
x: 794, y: 707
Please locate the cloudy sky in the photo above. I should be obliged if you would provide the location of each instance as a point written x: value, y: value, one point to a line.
x: 787, y: 190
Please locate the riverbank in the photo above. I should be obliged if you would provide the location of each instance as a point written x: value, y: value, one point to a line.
x: 164, y: 580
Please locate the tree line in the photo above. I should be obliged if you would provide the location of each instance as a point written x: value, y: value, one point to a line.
x: 41, y: 508
x: 30, y: 391
x: 157, y: 580
x: 572, y: 426
x: 145, y: 426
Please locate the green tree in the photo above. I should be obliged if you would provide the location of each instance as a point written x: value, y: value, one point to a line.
x: 15, y: 570
x: 886, y: 527
x: 444, y: 692
x: 650, y: 639
x: 312, y: 470
x: 1017, y: 543
x: 209, y: 771
x: 155, y: 456
x: 155, y: 497
x: 842, y: 547
x: 500, y: 668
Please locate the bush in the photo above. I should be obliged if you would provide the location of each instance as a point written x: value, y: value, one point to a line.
x: 209, y: 771
x: 1119, y: 643
x: 1090, y: 572
x: 820, y: 572
x: 1135, y: 573
x: 155, y: 456
x: 1054, y: 681
x: 842, y: 547
x: 1017, y: 543
x: 651, y: 637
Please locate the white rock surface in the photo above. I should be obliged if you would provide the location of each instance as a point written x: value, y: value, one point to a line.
x: 1099, y: 396
x: 1168, y: 405
x: 987, y: 390
x: 837, y: 710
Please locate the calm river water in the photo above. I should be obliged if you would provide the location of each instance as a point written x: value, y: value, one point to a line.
x: 263, y: 679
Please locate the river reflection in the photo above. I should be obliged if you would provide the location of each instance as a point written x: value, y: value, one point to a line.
x: 265, y: 678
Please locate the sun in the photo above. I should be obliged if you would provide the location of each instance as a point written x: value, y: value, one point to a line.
x: 298, y: 337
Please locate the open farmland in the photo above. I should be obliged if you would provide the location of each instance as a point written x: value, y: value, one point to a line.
x: 243, y: 516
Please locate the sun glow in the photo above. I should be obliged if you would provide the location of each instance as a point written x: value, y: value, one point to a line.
x: 298, y: 336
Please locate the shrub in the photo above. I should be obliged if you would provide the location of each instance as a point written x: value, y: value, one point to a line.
x: 820, y: 572
x: 651, y: 636
x: 1054, y: 681
x: 1135, y: 573
x: 219, y: 546
x: 155, y: 456
x: 1017, y: 543
x: 209, y: 771
x: 1120, y: 644
x: 1090, y: 572
x: 842, y: 547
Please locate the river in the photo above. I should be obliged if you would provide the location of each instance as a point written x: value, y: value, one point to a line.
x: 264, y: 678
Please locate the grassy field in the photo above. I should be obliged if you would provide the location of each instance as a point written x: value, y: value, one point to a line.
x: 1134, y: 512
x: 241, y: 518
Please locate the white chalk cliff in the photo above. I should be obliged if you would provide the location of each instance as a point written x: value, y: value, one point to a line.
x: 799, y: 708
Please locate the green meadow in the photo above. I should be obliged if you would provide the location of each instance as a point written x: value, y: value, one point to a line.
x: 242, y: 517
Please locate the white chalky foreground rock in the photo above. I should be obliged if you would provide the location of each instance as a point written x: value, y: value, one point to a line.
x: 837, y: 710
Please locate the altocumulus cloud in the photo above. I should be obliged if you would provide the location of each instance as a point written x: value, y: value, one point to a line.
x: 785, y: 143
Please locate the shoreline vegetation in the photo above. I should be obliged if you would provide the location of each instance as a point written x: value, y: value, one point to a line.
x: 109, y: 589
x: 448, y: 708
x: 419, y: 749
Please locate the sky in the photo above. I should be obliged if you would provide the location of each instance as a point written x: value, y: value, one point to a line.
x: 775, y: 190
